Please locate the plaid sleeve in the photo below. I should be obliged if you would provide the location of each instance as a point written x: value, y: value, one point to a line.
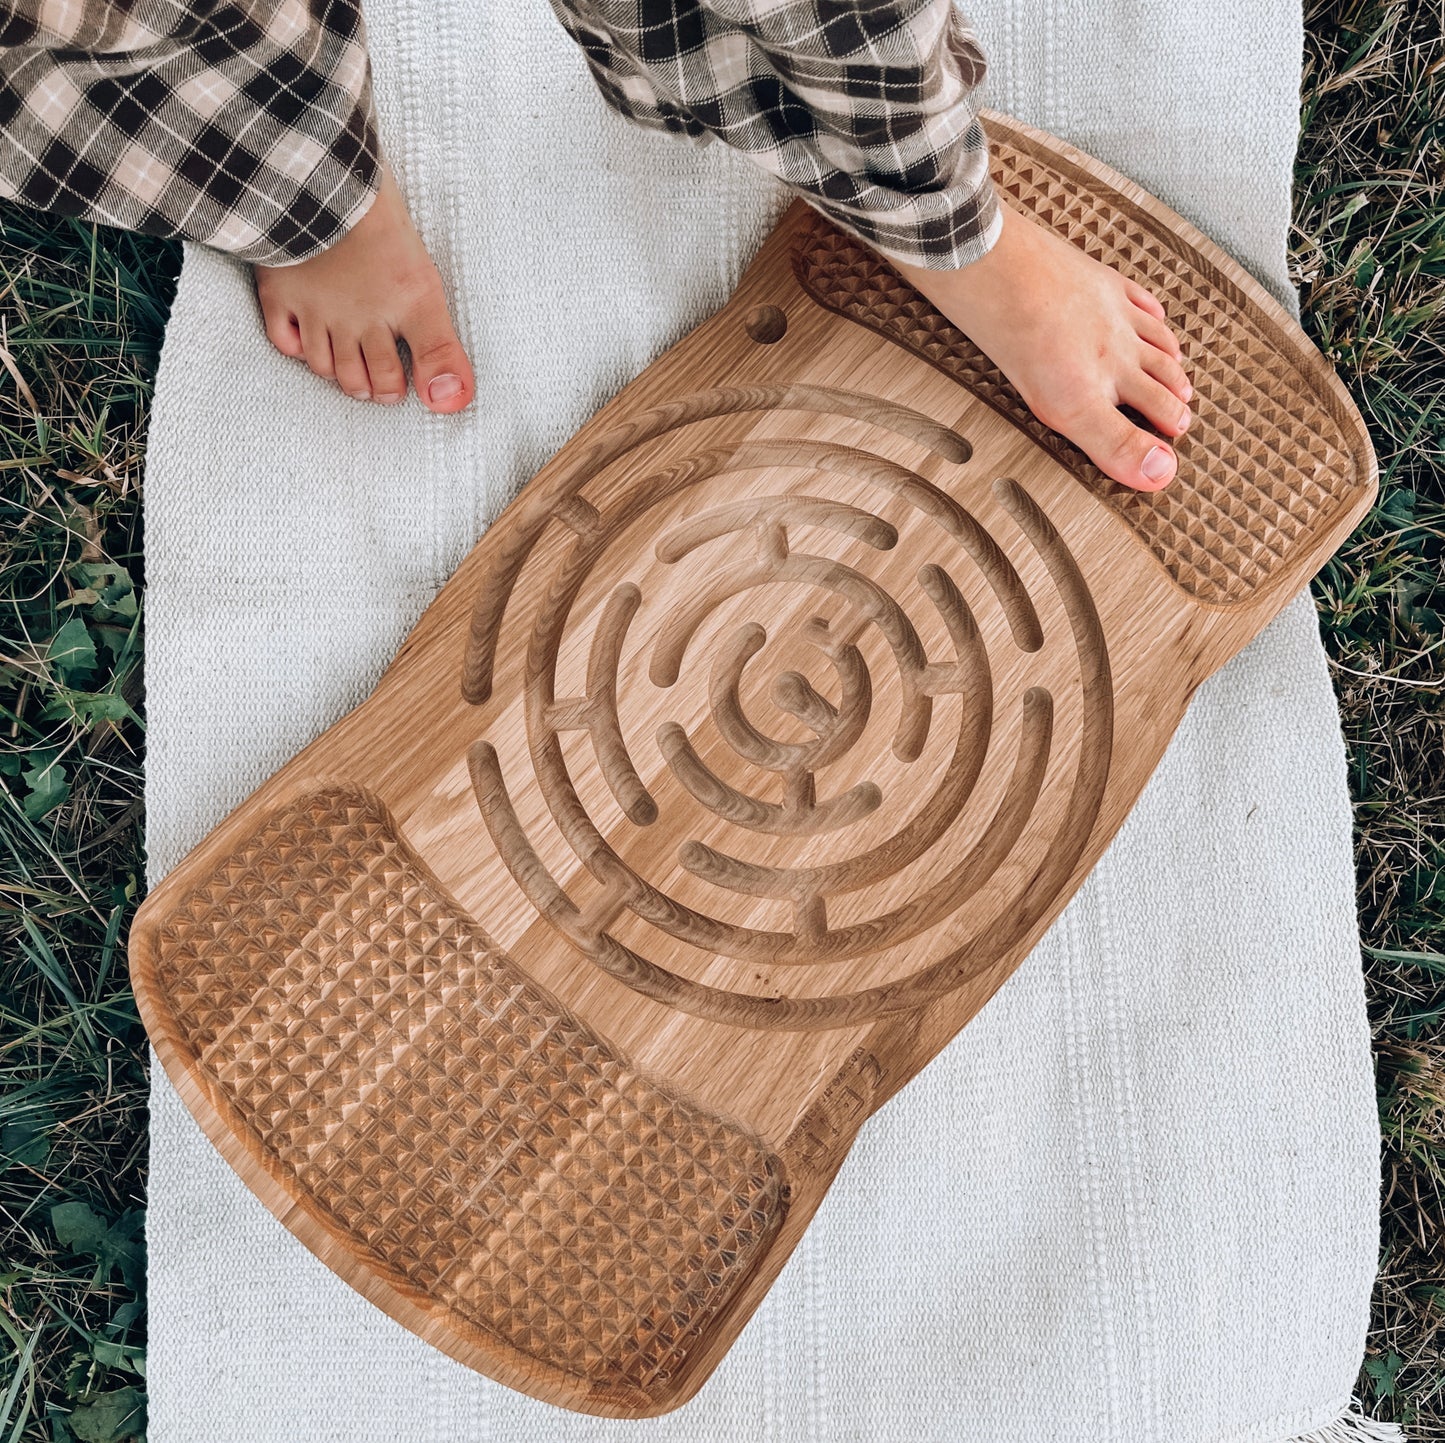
x: 865, y: 109
x: 246, y: 125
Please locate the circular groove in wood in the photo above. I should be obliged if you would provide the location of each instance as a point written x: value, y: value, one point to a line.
x: 560, y: 501
x: 915, y: 679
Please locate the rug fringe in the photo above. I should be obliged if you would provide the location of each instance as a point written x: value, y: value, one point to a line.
x: 1352, y: 1426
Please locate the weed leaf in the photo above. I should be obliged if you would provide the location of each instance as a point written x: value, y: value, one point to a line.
x: 72, y: 652
x: 109, y: 1416
x: 47, y: 783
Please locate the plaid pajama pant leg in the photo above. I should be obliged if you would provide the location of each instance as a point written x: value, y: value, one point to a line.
x: 248, y: 125
x: 864, y: 107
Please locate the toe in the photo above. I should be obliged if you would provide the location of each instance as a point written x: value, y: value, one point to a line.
x: 1157, y: 333
x: 350, y: 367
x: 1146, y: 300
x: 1116, y: 446
x: 383, y: 365
x: 1166, y: 370
x: 282, y: 331
x: 316, y: 343
x: 278, y: 317
x: 1155, y: 402
x: 439, y: 366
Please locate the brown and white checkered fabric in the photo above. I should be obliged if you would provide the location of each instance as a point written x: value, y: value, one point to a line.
x: 864, y: 107
x: 248, y: 124
x: 244, y: 124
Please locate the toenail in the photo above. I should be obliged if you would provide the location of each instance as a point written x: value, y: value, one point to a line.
x: 1188, y: 390
x: 360, y: 395
x: 389, y: 397
x: 443, y: 388
x: 1156, y: 464
x: 1184, y: 419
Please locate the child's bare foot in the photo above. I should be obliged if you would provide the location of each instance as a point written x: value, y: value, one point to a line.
x: 1077, y: 339
x: 342, y: 311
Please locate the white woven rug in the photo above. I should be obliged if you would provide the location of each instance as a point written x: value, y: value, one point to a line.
x: 1136, y: 1199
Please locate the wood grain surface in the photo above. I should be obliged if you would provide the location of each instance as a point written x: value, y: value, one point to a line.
x: 734, y: 770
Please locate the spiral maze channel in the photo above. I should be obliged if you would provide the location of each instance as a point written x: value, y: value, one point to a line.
x: 894, y: 659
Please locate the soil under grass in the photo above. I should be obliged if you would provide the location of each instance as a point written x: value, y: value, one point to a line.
x: 82, y: 312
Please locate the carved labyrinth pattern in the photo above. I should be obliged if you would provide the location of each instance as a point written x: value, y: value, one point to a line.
x: 1262, y: 461
x: 450, y: 1116
x: 743, y: 523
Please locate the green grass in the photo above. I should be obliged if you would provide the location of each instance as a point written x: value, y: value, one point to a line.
x: 1369, y: 254
x: 81, y: 317
x: 82, y: 312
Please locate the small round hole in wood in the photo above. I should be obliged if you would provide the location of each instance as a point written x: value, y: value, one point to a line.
x: 766, y: 324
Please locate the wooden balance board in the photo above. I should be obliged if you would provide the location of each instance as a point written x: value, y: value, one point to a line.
x: 736, y: 767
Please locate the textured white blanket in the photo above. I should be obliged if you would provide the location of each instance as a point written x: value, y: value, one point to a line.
x: 1136, y: 1199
